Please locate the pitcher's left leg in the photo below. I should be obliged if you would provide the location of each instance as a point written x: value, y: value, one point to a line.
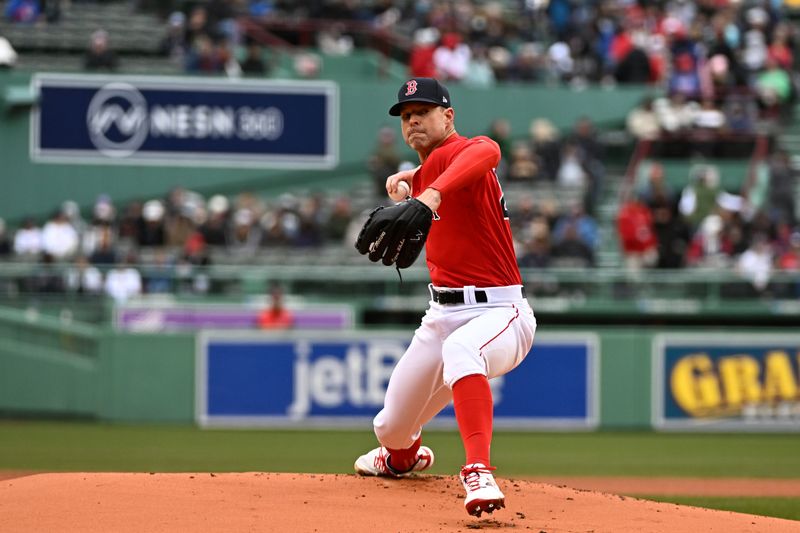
x: 491, y: 344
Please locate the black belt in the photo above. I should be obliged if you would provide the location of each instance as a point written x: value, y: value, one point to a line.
x: 451, y: 297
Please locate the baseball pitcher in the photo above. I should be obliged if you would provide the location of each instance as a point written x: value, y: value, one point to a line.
x: 478, y: 324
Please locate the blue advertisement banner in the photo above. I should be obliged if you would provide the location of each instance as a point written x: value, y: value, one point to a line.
x: 184, y: 121
x: 339, y: 380
x: 730, y: 382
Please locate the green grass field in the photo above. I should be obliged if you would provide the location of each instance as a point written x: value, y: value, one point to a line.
x: 71, y: 446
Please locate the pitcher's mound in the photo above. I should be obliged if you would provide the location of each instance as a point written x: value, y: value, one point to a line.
x: 134, y: 503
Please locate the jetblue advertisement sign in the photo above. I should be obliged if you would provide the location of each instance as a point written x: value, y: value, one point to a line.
x: 726, y: 382
x: 339, y: 379
x: 184, y: 121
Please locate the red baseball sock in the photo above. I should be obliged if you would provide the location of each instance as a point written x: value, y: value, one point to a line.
x: 402, y: 460
x: 472, y: 399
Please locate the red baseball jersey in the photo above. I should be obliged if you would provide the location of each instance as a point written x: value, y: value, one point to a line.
x: 470, y: 243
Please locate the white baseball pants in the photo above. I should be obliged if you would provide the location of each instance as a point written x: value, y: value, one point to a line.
x: 453, y: 341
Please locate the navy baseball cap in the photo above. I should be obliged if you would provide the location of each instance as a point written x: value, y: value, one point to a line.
x: 421, y: 90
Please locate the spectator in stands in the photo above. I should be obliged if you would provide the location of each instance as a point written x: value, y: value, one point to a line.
x: 59, y: 238
x: 339, y: 220
x: 709, y: 118
x: 642, y: 121
x: 523, y: 167
x: 585, y: 226
x: 384, y: 160
x: 46, y: 278
x: 245, y: 234
x: 197, y: 25
x: 501, y: 61
x: 5, y: 242
x: 204, y: 57
x: 782, y: 186
x: 261, y: 8
x: 637, y: 235
x: 789, y: 261
x: 181, y: 225
x: 741, y: 114
x: 222, y: 20
x: 685, y: 78
x: 754, y: 51
x: 479, y: 72
x: 547, y: 147
x: 83, y: 277
x: 72, y: 211
x: 174, y: 44
x: 99, y: 55
x: 724, y: 65
x: 253, y: 63
x: 276, y: 316
x: 537, y: 250
x: 675, y: 113
x: 310, y: 222
x: 215, y: 228
x: 755, y: 264
x: 523, y: 212
x: 123, y: 281
x: 699, y: 198
x: 334, y: 41
x: 707, y: 249
x: 780, y: 48
x: 592, y: 155
x: 528, y: 65
x: 655, y: 187
x: 104, y: 251
x: 671, y: 232
x: 452, y: 57
x: 571, y: 251
x: 500, y: 132
x: 255, y: 204
x: 131, y: 225
x: 420, y: 61
x: 194, y: 254
x: 158, y: 274
x: 572, y: 171
x: 28, y: 239
x: 634, y: 67
x: 560, y: 64
x: 282, y: 225
x: 23, y: 11
x: 151, y: 232
x: 773, y: 87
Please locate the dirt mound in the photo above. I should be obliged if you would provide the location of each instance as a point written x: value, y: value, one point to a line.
x: 83, y: 502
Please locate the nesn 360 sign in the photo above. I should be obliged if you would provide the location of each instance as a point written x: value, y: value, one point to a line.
x: 183, y: 121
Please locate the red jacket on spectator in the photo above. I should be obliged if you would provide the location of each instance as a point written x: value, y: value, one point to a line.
x: 420, y: 62
x: 635, y: 227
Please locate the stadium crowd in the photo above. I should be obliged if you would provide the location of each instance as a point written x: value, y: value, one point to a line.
x: 721, y: 70
x: 150, y: 246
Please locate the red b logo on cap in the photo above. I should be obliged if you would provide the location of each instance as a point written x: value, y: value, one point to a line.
x: 411, y: 87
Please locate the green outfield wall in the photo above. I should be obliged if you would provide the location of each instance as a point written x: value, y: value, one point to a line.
x: 48, y: 368
x: 38, y: 188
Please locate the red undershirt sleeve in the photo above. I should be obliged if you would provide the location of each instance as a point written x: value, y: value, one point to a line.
x: 470, y: 165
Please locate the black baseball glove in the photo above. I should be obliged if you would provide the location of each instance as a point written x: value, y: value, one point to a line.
x: 396, y: 234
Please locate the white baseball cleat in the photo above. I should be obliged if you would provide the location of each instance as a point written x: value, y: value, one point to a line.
x: 377, y: 463
x: 483, y: 495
